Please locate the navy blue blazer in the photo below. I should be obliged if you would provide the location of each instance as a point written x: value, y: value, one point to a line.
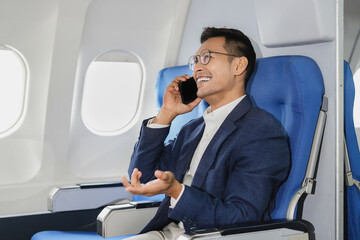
x: 238, y: 174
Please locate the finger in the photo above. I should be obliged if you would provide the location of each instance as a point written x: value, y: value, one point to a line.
x: 182, y: 78
x: 160, y: 175
x: 134, y: 177
x: 125, y: 182
x: 174, y: 84
x: 185, y: 77
x: 133, y: 190
x: 165, y: 176
x: 179, y: 79
x: 139, y: 190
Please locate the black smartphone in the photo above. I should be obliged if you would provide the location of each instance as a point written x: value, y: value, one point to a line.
x: 188, y: 90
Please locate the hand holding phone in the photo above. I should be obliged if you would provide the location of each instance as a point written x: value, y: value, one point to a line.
x: 188, y: 90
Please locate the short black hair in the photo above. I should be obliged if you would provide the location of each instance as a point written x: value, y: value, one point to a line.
x: 236, y: 42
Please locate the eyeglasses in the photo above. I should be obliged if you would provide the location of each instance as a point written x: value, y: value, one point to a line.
x: 204, y: 56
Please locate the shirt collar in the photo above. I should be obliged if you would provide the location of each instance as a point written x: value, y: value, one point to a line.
x: 217, y: 116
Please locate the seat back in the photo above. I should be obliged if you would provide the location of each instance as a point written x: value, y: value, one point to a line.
x: 352, y: 163
x: 165, y: 77
x: 291, y: 89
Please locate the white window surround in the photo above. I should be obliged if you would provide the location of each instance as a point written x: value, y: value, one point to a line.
x: 111, y: 93
x: 14, y: 81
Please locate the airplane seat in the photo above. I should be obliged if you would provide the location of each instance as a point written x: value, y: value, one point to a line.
x: 291, y: 88
x: 352, y: 162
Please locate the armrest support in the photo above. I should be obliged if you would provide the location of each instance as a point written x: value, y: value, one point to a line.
x: 86, y: 196
x: 309, y: 182
x: 125, y: 219
x: 295, y: 229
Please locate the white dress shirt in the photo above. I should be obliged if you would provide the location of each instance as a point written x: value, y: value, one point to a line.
x: 213, y: 120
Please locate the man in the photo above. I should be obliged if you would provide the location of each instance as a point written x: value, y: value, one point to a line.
x: 231, y: 161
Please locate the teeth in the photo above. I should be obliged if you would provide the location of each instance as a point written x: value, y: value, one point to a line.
x: 203, y: 79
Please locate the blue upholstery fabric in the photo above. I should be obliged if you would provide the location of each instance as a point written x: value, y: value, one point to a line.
x: 353, y: 193
x: 292, y: 82
x: 295, y: 83
x: 350, y: 135
x: 73, y: 235
x: 156, y: 198
x: 61, y: 235
x: 166, y: 76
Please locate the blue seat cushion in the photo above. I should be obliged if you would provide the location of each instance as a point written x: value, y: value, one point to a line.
x: 60, y: 235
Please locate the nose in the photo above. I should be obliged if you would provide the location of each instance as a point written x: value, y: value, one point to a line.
x: 198, y: 67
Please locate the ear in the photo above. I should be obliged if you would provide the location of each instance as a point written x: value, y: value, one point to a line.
x: 240, y: 65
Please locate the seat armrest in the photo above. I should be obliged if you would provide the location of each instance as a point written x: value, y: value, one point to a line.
x: 298, y: 225
x: 125, y: 219
x: 86, y: 196
x: 276, y: 229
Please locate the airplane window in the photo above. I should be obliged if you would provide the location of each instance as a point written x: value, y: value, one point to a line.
x: 13, y: 80
x: 357, y: 99
x: 111, y: 93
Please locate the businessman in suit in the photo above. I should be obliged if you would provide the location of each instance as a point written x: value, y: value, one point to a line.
x: 223, y: 168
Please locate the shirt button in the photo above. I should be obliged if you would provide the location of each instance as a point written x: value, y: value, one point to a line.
x: 184, y: 219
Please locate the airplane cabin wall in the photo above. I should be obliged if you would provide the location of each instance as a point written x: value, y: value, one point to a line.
x: 59, y: 39
x: 145, y: 34
x: 33, y: 34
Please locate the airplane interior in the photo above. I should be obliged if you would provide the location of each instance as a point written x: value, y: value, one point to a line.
x: 77, y: 79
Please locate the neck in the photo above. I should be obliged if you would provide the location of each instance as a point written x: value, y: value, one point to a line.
x: 220, y: 102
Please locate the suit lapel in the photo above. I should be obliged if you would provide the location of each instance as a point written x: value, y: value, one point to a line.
x: 226, y: 128
x: 189, y: 148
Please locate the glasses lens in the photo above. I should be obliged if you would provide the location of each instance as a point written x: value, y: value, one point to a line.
x: 205, y: 56
x: 192, y: 62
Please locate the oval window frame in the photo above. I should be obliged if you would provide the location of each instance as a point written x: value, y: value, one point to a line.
x: 15, y: 125
x: 121, y: 56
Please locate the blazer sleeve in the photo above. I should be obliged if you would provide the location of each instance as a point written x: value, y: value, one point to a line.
x: 150, y: 153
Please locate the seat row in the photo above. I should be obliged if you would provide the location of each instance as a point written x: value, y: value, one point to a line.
x: 291, y: 88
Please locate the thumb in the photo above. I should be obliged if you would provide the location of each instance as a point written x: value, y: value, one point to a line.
x: 161, y: 175
x: 194, y: 103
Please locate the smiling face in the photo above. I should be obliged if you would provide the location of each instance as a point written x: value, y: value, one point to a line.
x: 220, y: 81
